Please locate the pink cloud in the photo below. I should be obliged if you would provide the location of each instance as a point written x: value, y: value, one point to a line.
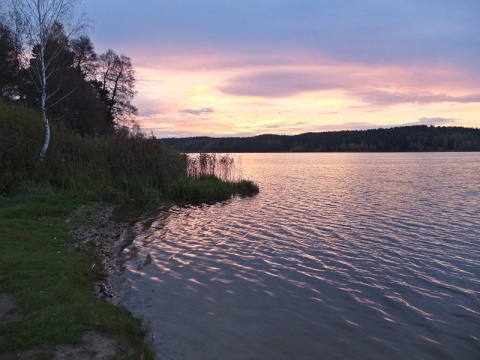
x: 376, y: 86
x: 280, y: 84
x: 384, y: 98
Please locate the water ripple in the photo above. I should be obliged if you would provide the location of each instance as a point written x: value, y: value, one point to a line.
x: 365, y: 256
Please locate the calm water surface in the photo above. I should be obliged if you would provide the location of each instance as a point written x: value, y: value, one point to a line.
x: 341, y: 256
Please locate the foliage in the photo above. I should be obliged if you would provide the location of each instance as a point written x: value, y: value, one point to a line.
x: 116, y: 85
x: 21, y: 134
x: 406, y: 138
x: 123, y: 166
x: 203, y: 189
x: 117, y: 167
x: 45, y: 34
x: 211, y: 177
x: 9, y: 62
x: 89, y: 93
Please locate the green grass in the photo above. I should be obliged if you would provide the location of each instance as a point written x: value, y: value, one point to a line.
x: 52, y: 282
x: 209, y: 188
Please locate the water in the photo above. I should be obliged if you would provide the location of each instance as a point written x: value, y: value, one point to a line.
x: 341, y: 256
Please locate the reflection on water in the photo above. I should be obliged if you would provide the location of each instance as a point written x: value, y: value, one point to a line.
x: 341, y: 256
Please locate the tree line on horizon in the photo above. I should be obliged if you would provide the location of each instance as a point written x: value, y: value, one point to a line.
x: 396, y: 139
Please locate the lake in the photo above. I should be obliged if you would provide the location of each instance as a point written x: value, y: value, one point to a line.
x: 340, y: 256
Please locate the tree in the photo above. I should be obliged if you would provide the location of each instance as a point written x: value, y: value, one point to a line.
x: 116, y: 86
x: 85, y: 59
x: 12, y: 59
x: 8, y: 62
x: 45, y: 34
x: 14, y: 25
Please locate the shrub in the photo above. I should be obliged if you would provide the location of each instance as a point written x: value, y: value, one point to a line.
x: 21, y: 138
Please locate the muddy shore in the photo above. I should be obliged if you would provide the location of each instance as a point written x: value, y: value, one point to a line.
x: 109, y: 236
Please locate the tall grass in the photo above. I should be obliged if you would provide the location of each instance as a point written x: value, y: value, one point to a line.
x: 122, y: 167
x: 219, y: 165
x: 21, y: 135
x: 218, y: 175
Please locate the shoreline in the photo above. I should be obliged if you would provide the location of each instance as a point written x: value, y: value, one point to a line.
x: 60, y: 280
x: 109, y: 237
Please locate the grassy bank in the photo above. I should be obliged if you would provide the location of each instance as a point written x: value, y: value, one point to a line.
x: 51, y: 281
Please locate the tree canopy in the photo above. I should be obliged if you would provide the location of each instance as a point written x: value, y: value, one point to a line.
x: 45, y: 64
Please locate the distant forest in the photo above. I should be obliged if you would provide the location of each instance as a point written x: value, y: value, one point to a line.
x: 405, y: 138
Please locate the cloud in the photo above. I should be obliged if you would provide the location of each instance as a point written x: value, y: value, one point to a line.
x: 433, y: 121
x: 149, y: 81
x: 354, y: 82
x: 146, y: 113
x: 369, y: 31
x: 197, y: 112
x: 276, y: 84
x: 286, y: 126
x: 384, y: 98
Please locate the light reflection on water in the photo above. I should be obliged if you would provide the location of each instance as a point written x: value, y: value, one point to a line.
x: 341, y: 256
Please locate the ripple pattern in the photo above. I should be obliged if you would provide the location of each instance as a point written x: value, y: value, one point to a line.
x: 365, y: 256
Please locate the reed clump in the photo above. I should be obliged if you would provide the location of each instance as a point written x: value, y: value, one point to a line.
x: 219, y: 174
x: 221, y: 166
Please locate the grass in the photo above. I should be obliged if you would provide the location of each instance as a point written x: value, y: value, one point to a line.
x: 52, y: 282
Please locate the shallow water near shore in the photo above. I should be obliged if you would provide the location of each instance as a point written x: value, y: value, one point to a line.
x: 340, y: 256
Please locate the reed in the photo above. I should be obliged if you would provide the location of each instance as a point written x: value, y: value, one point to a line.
x: 219, y: 165
x: 218, y: 175
x: 121, y: 167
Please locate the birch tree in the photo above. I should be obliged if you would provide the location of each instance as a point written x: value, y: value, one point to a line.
x: 42, y: 19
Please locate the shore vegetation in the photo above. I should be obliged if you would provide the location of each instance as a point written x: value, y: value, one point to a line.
x: 70, y: 145
x: 123, y: 167
x: 50, y: 279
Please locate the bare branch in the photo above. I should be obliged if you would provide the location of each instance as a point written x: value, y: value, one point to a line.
x: 65, y: 96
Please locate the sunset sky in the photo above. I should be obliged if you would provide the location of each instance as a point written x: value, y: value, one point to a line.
x: 249, y: 67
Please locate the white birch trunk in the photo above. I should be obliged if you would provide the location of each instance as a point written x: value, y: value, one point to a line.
x: 40, y: 18
x: 43, y: 104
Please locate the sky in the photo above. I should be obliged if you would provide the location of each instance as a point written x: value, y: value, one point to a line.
x: 249, y: 67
